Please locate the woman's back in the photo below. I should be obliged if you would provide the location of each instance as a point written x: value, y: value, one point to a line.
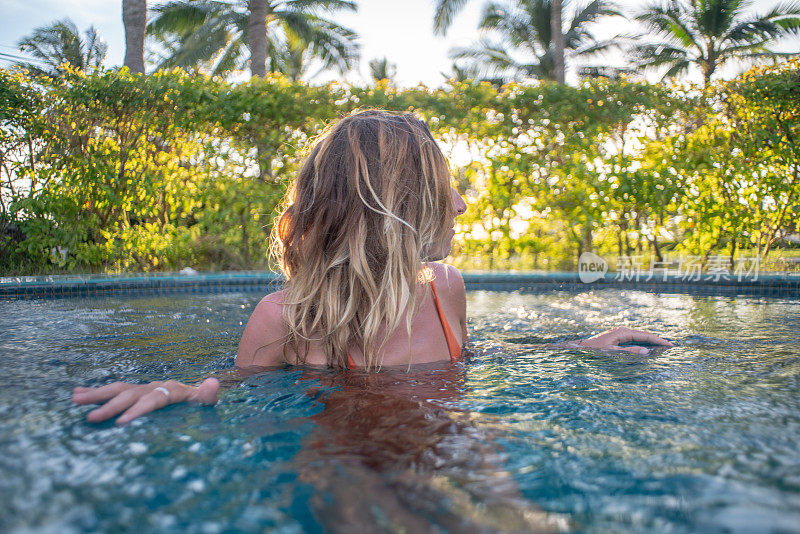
x: 262, y: 343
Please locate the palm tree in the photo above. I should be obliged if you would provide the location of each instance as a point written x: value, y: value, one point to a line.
x: 134, y: 19
x: 708, y: 33
x: 214, y: 36
x: 525, y: 26
x: 382, y: 69
x: 61, y: 43
x: 445, y: 11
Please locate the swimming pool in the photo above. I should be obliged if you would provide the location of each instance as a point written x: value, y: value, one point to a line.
x: 701, y: 437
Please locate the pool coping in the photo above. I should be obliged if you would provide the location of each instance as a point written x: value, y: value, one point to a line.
x: 145, y: 284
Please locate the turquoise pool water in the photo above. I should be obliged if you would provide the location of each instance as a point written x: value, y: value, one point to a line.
x: 703, y: 437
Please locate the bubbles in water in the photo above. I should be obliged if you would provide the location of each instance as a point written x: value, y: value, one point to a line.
x: 138, y: 448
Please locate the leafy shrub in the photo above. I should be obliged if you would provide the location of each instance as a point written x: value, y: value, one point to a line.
x: 158, y: 172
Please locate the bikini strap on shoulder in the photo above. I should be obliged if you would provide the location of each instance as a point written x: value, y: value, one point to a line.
x: 452, y: 343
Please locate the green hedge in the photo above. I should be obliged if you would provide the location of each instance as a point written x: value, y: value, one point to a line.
x: 131, y: 172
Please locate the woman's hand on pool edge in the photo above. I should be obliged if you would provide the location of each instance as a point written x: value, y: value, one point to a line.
x: 136, y: 400
x: 616, y: 337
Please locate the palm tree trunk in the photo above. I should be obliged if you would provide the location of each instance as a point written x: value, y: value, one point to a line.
x: 257, y: 37
x: 708, y: 70
x: 709, y: 63
x: 558, y: 40
x: 134, y: 18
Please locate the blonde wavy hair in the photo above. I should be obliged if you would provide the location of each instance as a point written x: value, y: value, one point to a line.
x: 370, y: 205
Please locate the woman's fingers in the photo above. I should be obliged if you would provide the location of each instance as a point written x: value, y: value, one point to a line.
x: 136, y: 400
x: 147, y: 403
x: 121, y: 402
x: 628, y: 335
x: 156, y: 399
x: 613, y: 339
x: 206, y: 393
x: 81, y: 395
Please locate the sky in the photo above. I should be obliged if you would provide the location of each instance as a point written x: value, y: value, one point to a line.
x: 401, y: 30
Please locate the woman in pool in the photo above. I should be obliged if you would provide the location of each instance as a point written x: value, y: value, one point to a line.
x: 370, y: 213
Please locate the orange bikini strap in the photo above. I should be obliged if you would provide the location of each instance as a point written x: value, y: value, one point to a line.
x: 452, y: 343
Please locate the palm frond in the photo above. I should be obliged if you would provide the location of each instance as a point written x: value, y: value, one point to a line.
x: 296, y: 22
x: 668, y: 21
x: 579, y: 35
x: 598, y: 47
x: 310, y: 6
x: 541, y: 69
x: 489, y: 58
x: 512, y: 24
x: 678, y: 68
x: 733, y: 51
x: 199, y: 49
x: 178, y: 17
x: 658, y: 54
x: 230, y: 59
x: 444, y: 13
x: 94, y: 48
x: 276, y: 49
x: 714, y: 18
x: 754, y: 29
x: 537, y: 15
x: 591, y: 12
x: 335, y: 45
x: 785, y: 16
x: 771, y: 54
x: 779, y: 11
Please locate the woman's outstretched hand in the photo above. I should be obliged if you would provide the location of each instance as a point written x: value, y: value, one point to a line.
x: 135, y: 400
x: 615, y: 338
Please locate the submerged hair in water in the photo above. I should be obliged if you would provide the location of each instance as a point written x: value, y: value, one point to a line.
x: 370, y: 204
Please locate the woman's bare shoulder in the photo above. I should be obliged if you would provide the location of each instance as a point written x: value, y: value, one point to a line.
x: 451, y: 291
x: 265, y: 334
x: 448, y: 279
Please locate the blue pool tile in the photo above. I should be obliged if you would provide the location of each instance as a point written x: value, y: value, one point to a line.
x: 166, y: 284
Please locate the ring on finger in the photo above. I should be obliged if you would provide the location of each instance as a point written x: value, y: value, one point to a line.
x: 163, y: 390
